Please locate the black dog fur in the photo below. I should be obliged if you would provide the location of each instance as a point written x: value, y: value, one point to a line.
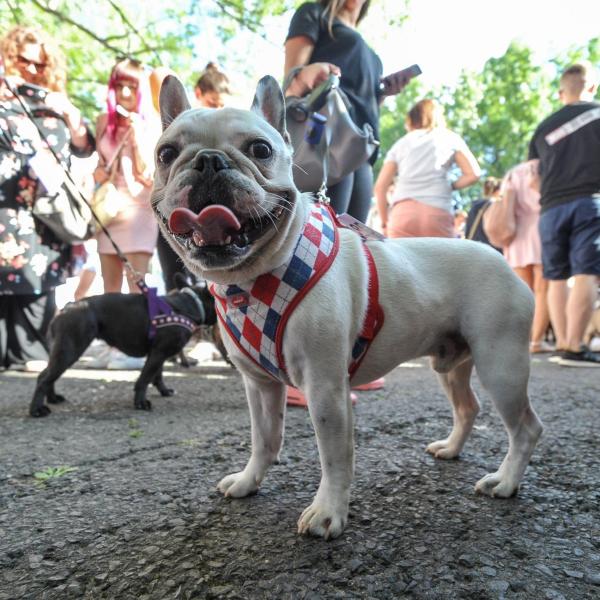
x: 122, y: 321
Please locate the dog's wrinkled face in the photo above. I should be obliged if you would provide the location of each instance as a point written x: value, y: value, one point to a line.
x: 223, y: 186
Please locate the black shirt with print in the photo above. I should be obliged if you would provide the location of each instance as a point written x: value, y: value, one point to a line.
x: 569, y: 167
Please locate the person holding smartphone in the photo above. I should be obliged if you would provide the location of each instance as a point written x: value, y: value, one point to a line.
x: 33, y: 261
x: 127, y: 134
x: 323, y: 40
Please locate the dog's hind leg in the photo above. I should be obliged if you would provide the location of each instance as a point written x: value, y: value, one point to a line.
x: 465, y: 406
x: 65, y: 351
x: 159, y: 384
x: 504, y: 373
x: 266, y: 400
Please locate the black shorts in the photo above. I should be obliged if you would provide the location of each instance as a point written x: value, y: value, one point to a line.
x: 570, y: 235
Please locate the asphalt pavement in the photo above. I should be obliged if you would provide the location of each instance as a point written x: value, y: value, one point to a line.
x: 101, y: 501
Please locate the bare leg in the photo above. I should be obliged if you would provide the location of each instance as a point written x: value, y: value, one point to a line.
x: 558, y: 293
x: 85, y: 282
x: 579, y: 309
x: 465, y: 407
x: 541, y: 317
x: 112, y: 272
x: 139, y: 261
x: 267, y: 413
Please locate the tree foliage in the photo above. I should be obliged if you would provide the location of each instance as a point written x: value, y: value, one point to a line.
x: 496, y: 110
x: 94, y: 34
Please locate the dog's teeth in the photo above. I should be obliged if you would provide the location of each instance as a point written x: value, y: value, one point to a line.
x: 228, y: 240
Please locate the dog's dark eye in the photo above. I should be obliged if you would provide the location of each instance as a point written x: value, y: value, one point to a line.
x: 167, y: 154
x: 261, y: 150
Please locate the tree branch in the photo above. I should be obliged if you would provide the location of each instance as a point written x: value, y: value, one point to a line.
x: 64, y: 18
x: 133, y: 29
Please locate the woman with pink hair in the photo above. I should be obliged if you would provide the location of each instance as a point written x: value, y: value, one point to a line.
x: 126, y: 135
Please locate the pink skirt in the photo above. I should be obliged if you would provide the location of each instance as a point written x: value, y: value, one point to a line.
x: 526, y: 248
x: 410, y: 218
x: 134, y: 229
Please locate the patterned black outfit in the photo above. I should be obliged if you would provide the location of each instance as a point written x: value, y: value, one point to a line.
x: 32, y: 260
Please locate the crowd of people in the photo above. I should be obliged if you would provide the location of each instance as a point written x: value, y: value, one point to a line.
x: 35, y: 111
x: 555, y: 191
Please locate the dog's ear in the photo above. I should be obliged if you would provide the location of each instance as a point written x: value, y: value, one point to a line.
x: 269, y: 104
x: 172, y: 100
x: 180, y: 281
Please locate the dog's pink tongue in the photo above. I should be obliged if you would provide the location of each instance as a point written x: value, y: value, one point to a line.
x: 212, y: 226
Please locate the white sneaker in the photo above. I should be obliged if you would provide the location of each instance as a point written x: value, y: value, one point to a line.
x: 102, y: 359
x: 95, y: 349
x: 121, y: 362
x: 35, y: 366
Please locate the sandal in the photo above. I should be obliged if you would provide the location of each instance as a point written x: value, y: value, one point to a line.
x: 540, y: 347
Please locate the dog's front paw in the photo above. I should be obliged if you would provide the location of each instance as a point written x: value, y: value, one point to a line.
x: 497, y: 485
x: 166, y: 392
x: 322, y: 520
x: 56, y: 398
x: 443, y: 449
x: 39, y: 411
x: 143, y: 404
x: 238, y: 485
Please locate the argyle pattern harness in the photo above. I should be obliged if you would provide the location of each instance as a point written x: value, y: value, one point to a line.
x: 255, y: 315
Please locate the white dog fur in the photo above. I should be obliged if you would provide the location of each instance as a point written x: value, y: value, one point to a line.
x: 455, y: 301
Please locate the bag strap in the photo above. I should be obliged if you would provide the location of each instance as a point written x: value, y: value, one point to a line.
x: 113, y: 159
x: 290, y: 77
x: 477, y: 220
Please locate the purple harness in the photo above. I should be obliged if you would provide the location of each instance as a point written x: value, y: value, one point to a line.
x: 161, y: 313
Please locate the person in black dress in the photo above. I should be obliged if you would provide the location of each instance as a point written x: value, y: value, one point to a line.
x: 323, y: 40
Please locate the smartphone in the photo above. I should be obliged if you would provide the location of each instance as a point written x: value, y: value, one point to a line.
x: 406, y: 74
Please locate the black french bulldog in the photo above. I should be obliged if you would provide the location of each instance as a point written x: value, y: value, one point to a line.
x: 123, y: 321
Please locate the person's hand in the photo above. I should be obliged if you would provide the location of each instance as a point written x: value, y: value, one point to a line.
x: 310, y: 76
x: 62, y: 106
x: 393, y: 84
x: 101, y: 175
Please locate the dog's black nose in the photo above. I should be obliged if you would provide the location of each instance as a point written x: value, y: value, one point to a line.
x: 210, y: 162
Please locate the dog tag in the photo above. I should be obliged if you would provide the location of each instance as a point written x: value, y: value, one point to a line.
x: 239, y: 300
x: 366, y: 233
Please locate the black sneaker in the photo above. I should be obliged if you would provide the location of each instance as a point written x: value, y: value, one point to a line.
x: 583, y: 358
x: 556, y: 356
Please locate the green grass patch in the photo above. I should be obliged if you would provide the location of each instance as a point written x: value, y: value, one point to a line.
x: 52, y: 473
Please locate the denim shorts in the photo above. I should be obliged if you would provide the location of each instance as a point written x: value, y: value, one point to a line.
x: 570, y: 235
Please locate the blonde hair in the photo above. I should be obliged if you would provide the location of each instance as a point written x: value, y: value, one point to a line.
x: 334, y: 7
x: 213, y: 80
x: 54, y: 74
x: 425, y: 114
x: 491, y: 186
x: 577, y: 77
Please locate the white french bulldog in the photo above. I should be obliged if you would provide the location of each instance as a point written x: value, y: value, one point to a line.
x: 225, y: 199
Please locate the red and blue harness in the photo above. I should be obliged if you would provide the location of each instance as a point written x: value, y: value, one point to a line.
x: 255, y: 315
